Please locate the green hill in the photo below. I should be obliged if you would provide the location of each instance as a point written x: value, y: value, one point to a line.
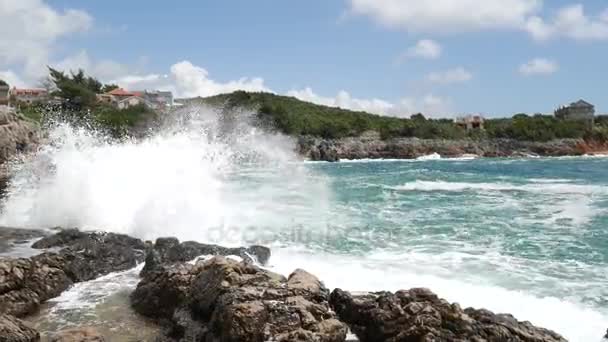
x: 295, y: 117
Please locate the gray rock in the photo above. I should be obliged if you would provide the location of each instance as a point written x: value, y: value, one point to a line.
x: 17, y: 135
x: 373, y: 147
x: 167, y: 251
x: 25, y: 283
x: 224, y: 300
x: 89, y: 255
x: 419, y: 315
x: 14, y: 330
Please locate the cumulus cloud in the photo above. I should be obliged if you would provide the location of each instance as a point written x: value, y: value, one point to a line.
x: 446, y: 16
x: 454, y: 16
x: 457, y: 75
x: 188, y: 80
x: 570, y: 22
x: 11, y: 78
x: 29, y: 28
x: 425, y: 48
x: 538, y: 66
x: 430, y: 105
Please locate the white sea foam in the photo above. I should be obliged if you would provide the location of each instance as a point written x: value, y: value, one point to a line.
x: 369, y: 274
x: 434, y: 156
x: 555, y: 188
x: 189, y: 181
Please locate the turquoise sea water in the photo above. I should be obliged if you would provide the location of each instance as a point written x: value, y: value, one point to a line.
x: 526, y: 236
x: 522, y: 236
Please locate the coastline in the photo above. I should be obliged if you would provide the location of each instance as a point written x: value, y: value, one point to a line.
x: 372, y: 147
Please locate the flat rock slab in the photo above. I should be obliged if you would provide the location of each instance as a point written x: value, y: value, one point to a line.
x: 10, y: 237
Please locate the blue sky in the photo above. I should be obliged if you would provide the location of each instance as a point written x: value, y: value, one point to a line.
x: 442, y: 57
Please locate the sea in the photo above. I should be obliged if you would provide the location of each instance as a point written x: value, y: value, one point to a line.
x: 526, y: 236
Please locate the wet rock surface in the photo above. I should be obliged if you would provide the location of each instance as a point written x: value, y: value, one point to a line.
x: 225, y: 300
x: 419, y: 315
x: 15, y: 330
x: 27, y: 282
x: 10, y: 237
x: 168, y: 251
x: 89, y: 255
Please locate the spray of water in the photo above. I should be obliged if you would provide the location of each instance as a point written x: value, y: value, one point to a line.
x: 203, y: 175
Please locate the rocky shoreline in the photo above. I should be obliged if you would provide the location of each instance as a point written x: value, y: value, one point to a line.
x: 228, y: 295
x: 371, y: 146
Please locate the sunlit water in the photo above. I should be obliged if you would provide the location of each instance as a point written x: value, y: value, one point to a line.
x: 527, y: 237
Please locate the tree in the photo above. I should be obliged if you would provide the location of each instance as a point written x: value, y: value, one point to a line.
x: 108, y: 88
x: 75, y: 90
x: 3, y: 83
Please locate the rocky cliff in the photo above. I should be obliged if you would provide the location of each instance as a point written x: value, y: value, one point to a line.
x: 371, y: 146
x: 16, y: 134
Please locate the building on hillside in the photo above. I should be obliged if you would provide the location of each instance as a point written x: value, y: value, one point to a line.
x: 120, y: 93
x: 29, y: 96
x: 4, y: 94
x: 128, y: 102
x: 470, y: 122
x: 580, y: 110
x: 157, y: 99
x: 121, y: 98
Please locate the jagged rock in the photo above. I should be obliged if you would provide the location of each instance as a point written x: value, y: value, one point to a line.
x: 16, y: 134
x: 14, y: 330
x: 419, y: 315
x: 374, y: 147
x: 161, y: 292
x: 89, y: 255
x: 9, y: 237
x: 78, y: 335
x: 224, y: 300
x: 242, y: 302
x: 25, y: 283
x: 168, y: 251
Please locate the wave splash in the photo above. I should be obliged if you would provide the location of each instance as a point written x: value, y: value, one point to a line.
x: 200, y: 177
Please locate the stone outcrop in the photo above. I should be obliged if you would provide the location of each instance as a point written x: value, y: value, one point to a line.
x: 225, y: 300
x: 14, y: 330
x: 167, y: 251
x: 88, y: 255
x: 25, y: 283
x: 419, y: 315
x: 370, y: 146
x: 17, y: 135
x: 9, y: 237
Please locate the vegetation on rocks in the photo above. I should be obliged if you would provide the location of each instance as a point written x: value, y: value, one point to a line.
x: 294, y: 117
x: 78, y: 104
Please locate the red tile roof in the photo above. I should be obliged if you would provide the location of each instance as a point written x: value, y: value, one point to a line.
x: 17, y: 91
x: 122, y: 92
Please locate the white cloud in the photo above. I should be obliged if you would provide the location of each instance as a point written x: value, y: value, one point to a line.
x: 455, y: 16
x: 570, y: 22
x: 457, y: 75
x: 425, y: 48
x: 447, y: 16
x: 344, y: 100
x: 430, y: 105
x: 538, y: 66
x: 29, y: 28
x: 104, y: 69
x: 11, y: 78
x: 188, y: 80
